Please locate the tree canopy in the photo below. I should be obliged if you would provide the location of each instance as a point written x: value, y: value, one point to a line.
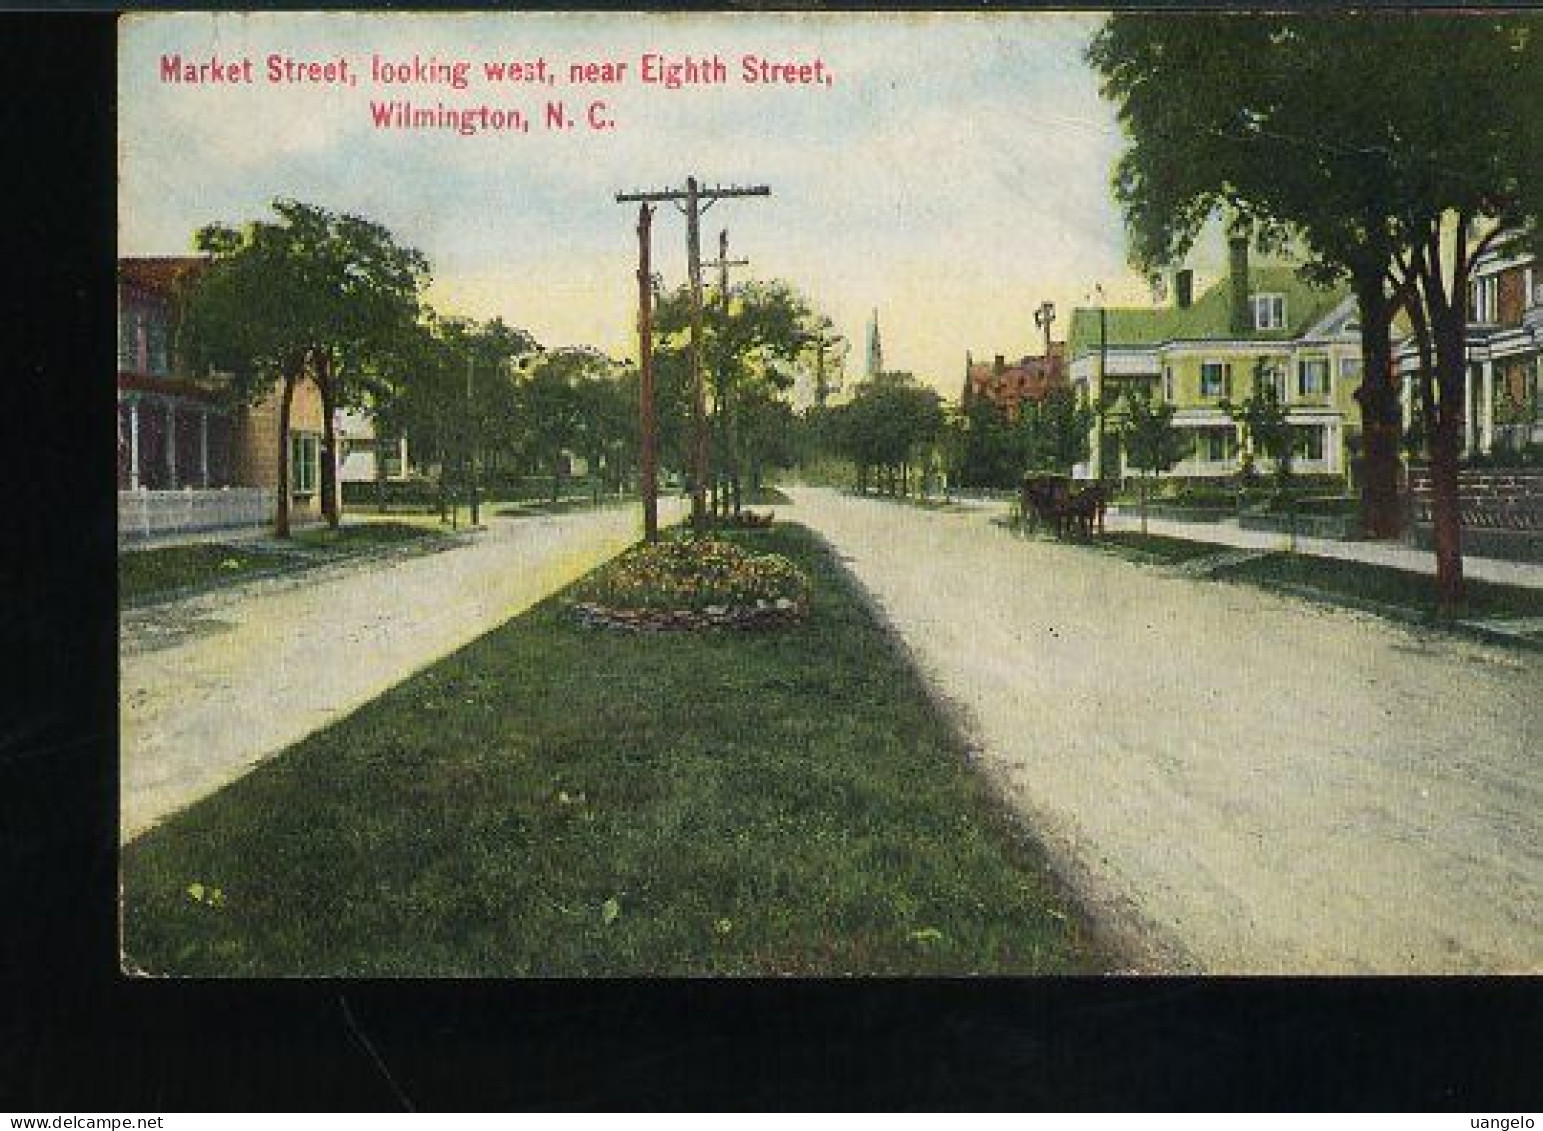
x: 1391, y: 151
x: 313, y: 293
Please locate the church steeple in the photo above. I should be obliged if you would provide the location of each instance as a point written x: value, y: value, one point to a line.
x: 875, y: 349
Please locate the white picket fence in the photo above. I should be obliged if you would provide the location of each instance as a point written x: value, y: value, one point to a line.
x: 144, y: 515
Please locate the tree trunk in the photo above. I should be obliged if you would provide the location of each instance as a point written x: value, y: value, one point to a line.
x: 281, y: 495
x: 1445, y: 451
x: 557, y: 476
x: 1143, y: 482
x: 326, y: 383
x: 1445, y: 515
x: 380, y: 471
x: 1382, y: 511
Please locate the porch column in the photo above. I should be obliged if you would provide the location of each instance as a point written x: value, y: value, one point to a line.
x: 203, y: 447
x: 1095, y: 447
x: 171, y: 445
x: 133, y: 443
x: 1484, y: 433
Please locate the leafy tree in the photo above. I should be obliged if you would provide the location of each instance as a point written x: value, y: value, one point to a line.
x: 452, y: 389
x: 1262, y: 417
x: 768, y: 434
x: 1268, y: 119
x: 608, y: 406
x: 989, y: 450
x: 890, y: 422
x: 1152, y: 443
x: 556, y: 404
x: 1466, y: 161
x: 313, y: 294
x: 483, y: 406
x: 753, y: 345
x: 1265, y: 120
x: 1054, y: 431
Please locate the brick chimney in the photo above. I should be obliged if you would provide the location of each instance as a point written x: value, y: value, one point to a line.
x: 1241, y: 320
x: 1183, y: 288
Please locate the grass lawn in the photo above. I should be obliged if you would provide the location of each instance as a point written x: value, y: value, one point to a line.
x: 555, y: 800
x: 144, y: 575
x: 1155, y: 547
x: 1384, y: 585
x: 562, y: 506
x: 357, y: 536
x: 1351, y: 582
x: 148, y: 573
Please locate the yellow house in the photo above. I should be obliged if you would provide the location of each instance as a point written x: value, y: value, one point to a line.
x: 1261, y: 325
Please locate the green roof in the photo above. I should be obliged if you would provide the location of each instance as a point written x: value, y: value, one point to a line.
x: 1209, y: 317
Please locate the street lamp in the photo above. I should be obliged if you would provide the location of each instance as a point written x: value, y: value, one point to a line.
x: 1043, y: 317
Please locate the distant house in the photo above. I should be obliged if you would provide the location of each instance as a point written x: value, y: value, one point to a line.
x: 188, y: 459
x: 1264, y: 324
x: 1008, y: 385
x: 367, y: 457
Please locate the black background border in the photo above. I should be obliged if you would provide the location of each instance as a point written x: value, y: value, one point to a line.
x: 74, y: 1035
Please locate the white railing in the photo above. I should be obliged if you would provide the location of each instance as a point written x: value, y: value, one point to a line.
x: 154, y: 514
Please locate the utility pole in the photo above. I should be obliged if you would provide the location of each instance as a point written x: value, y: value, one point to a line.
x: 822, y: 389
x: 1103, y: 368
x: 689, y: 201
x: 648, y: 467
x: 727, y: 431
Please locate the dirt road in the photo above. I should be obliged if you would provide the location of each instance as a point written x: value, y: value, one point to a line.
x: 212, y: 685
x: 1235, y: 781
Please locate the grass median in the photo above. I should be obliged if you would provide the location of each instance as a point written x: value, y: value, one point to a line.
x: 556, y: 800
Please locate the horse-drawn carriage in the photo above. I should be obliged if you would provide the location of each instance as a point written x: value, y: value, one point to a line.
x: 1052, y: 499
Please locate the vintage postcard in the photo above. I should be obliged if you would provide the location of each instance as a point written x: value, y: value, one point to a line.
x: 621, y: 494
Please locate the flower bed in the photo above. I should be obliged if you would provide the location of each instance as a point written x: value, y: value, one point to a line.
x: 694, y: 584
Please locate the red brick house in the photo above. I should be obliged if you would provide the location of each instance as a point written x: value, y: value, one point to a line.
x: 1008, y: 386
x: 187, y: 459
x: 1504, y: 390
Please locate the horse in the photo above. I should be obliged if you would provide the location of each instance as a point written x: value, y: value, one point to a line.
x: 1085, y: 509
x: 1044, y: 498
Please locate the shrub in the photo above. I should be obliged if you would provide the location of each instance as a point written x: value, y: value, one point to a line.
x: 695, y: 574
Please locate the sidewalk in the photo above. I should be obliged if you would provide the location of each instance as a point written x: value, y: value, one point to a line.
x: 1393, y: 554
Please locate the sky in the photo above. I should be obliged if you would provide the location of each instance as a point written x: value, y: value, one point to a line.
x: 953, y: 175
